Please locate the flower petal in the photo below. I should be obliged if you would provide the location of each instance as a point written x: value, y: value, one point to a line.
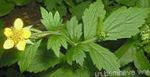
x: 21, y: 45
x: 26, y: 33
x: 8, y: 32
x: 18, y: 24
x: 8, y: 44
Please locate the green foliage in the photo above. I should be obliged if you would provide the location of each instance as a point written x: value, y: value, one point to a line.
x: 56, y: 5
x: 77, y: 10
x: 7, y: 8
x: 74, y: 30
x: 143, y: 3
x: 76, y: 54
x: 103, y: 58
x: 27, y: 56
x: 55, y: 42
x: 9, y: 58
x: 72, y: 48
x: 43, y: 60
x: 126, y: 52
x: 141, y: 62
x: 124, y: 23
x: 69, y: 72
x: 90, y: 19
x: 73, y: 33
x: 127, y: 2
x: 49, y: 21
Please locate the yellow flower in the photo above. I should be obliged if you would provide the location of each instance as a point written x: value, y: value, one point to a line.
x: 17, y: 36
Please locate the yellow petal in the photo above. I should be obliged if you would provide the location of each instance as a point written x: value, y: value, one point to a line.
x: 8, y: 32
x: 26, y: 33
x: 18, y: 24
x: 8, y: 44
x: 21, y: 45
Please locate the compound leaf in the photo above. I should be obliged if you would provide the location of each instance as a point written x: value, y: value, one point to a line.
x: 74, y: 30
x: 55, y: 42
x: 49, y: 21
x: 76, y: 54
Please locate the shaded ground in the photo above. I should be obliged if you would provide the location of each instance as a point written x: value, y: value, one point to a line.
x: 29, y: 13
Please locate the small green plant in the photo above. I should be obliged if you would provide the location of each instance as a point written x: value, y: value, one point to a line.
x: 72, y: 49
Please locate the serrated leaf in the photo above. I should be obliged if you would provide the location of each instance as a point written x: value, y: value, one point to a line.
x: 103, y: 58
x: 42, y: 61
x: 55, y: 42
x: 74, y: 30
x: 90, y: 19
x: 76, y: 54
x: 140, y: 61
x: 124, y: 23
x: 27, y: 56
x: 49, y: 21
x: 126, y: 53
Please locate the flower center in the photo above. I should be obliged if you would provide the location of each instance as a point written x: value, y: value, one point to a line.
x: 17, y: 35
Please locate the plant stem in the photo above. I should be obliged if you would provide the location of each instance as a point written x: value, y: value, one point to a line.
x: 44, y: 34
x: 87, y: 41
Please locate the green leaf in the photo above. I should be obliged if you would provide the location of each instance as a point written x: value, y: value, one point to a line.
x: 27, y: 56
x: 141, y: 62
x: 74, y: 30
x: 76, y: 54
x: 69, y: 72
x: 9, y: 58
x: 55, y: 42
x: 51, y: 3
x: 103, y: 58
x: 143, y: 3
x: 66, y: 72
x: 5, y: 7
x: 56, y: 5
x: 43, y: 60
x: 147, y: 48
x: 124, y: 23
x: 127, y: 2
x: 49, y: 21
x: 126, y: 52
x: 90, y: 19
x: 77, y: 10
